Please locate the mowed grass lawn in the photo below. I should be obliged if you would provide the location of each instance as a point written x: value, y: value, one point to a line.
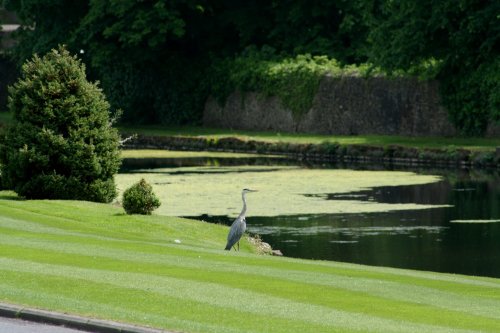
x: 92, y: 260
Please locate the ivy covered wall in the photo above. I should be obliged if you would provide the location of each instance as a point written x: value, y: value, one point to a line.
x: 344, y: 105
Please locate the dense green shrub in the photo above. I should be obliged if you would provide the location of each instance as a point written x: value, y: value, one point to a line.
x: 133, y: 48
x: 140, y: 199
x: 473, y: 97
x: 151, y: 95
x: 461, y: 38
x: 61, y: 143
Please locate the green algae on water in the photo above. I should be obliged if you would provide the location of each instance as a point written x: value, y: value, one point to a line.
x: 194, y: 191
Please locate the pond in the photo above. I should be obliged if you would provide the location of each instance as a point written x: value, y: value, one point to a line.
x: 436, y: 220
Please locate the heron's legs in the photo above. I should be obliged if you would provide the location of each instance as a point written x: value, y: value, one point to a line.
x: 238, y: 246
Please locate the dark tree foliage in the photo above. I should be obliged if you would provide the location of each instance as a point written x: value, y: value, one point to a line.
x: 138, y: 51
x: 291, y: 27
x: 318, y: 27
x: 61, y: 144
x: 458, y: 40
x: 45, y: 24
x: 153, y: 57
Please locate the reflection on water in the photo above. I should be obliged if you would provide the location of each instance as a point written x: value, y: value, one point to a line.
x: 419, y: 239
x: 131, y: 164
x: 416, y: 239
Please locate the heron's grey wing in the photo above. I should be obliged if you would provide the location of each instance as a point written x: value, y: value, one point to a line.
x: 243, y: 225
x: 235, y: 233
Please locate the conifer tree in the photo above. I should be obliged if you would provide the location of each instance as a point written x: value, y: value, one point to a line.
x: 62, y: 144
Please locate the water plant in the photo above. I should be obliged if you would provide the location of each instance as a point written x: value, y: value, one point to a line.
x: 283, y: 190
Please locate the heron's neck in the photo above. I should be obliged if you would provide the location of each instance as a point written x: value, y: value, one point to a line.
x: 244, y: 210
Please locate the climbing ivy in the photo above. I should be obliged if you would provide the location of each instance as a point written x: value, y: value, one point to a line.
x: 295, y: 80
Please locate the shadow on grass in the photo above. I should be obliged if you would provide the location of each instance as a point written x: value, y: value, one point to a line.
x: 120, y: 214
x: 10, y: 195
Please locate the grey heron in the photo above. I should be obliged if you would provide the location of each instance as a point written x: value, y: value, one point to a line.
x: 239, y: 225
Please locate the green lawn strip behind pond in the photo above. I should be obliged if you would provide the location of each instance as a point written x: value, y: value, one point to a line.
x: 92, y: 260
x: 176, y: 154
x: 479, y: 144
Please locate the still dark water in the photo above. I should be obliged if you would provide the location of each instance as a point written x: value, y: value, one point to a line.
x: 416, y: 239
x: 419, y: 239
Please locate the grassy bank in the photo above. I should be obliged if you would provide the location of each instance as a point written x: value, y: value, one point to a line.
x: 93, y: 260
x: 474, y: 144
x: 479, y: 144
x: 375, y: 150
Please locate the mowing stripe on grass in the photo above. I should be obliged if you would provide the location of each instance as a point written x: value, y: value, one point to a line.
x: 484, y: 304
x: 344, y: 300
x: 90, y: 259
x: 210, y: 294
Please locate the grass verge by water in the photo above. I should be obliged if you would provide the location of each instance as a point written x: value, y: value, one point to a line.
x: 91, y: 259
x: 175, y: 154
x: 476, y: 144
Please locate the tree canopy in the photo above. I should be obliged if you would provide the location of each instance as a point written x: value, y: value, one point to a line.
x: 153, y: 58
x: 456, y: 41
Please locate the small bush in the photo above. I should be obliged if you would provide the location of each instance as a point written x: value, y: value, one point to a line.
x: 140, y: 199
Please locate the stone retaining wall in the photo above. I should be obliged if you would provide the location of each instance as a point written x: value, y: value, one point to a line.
x: 344, y: 106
